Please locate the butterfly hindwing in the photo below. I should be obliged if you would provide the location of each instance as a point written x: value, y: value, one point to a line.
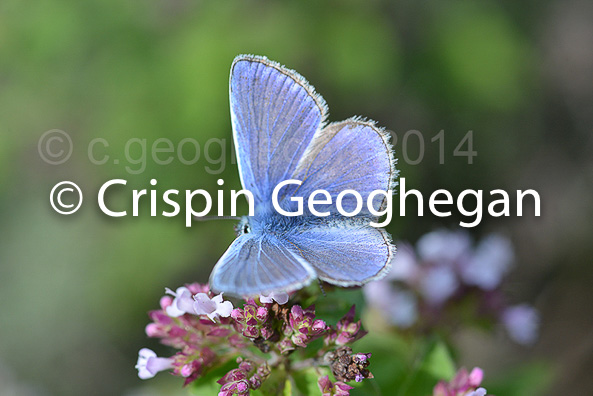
x: 346, y: 254
x: 259, y: 264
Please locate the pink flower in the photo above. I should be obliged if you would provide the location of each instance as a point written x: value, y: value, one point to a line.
x: 196, y: 288
x: 347, y: 330
x: 361, y: 357
x: 252, y: 320
x: 302, y: 326
x: 165, y: 301
x: 240, y: 380
x: 235, y: 382
x: 212, y: 307
x: 328, y: 388
x: 463, y: 384
x: 149, y: 364
x: 191, y: 362
x: 154, y: 330
x: 475, y: 377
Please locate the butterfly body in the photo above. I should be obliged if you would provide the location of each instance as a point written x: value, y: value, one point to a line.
x: 280, y: 134
x: 273, y: 223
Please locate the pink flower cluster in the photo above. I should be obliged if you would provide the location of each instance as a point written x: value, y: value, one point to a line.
x: 443, y: 271
x: 463, y: 384
x: 301, y: 328
x: 240, y: 380
x: 252, y: 321
x: 347, y: 330
x: 208, y: 332
x: 329, y: 388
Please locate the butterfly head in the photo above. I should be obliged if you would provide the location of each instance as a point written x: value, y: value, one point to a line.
x: 243, y: 227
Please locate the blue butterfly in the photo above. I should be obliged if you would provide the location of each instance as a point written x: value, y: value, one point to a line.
x: 280, y: 133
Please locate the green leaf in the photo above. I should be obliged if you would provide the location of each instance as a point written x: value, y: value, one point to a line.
x: 333, y: 306
x: 436, y: 364
x: 439, y: 363
x: 207, y: 385
x: 531, y: 379
x: 275, y: 384
x: 206, y: 388
x: 287, y: 388
x: 390, y: 362
x: 306, y: 380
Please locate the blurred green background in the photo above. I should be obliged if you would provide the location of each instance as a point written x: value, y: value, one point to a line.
x: 75, y: 289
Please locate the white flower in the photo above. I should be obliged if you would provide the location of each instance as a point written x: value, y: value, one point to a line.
x: 405, y: 265
x: 489, y: 264
x: 444, y: 247
x: 477, y: 392
x: 522, y: 323
x: 182, y: 303
x: 438, y: 284
x: 149, y: 364
x: 402, y: 310
x: 280, y: 297
x: 211, y: 307
x: 399, y: 306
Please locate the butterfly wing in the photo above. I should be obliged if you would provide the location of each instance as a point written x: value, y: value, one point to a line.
x: 275, y: 114
x: 349, y: 254
x: 277, y: 126
x: 351, y: 154
x: 260, y: 264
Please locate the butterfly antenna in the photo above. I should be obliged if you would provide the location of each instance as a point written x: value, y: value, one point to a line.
x: 321, y: 287
x: 205, y: 218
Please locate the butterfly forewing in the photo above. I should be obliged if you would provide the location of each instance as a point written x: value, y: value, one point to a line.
x: 275, y: 114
